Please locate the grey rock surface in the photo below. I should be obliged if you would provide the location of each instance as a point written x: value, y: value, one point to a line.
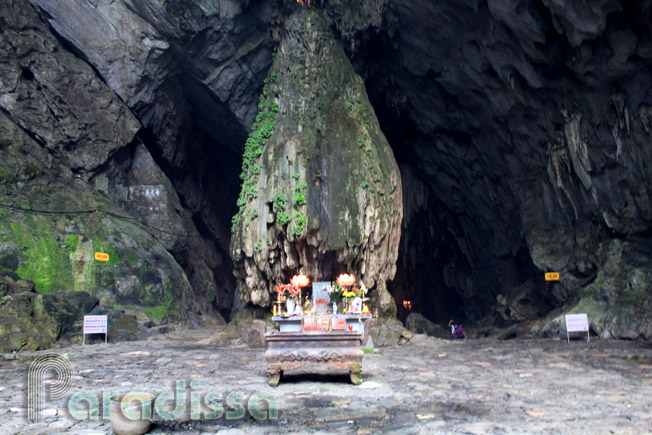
x: 418, y: 323
x: 56, y: 97
x: 527, y: 123
x: 33, y: 321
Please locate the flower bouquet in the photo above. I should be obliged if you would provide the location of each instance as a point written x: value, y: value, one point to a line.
x: 335, y: 292
x: 349, y: 295
x: 287, y: 290
x: 290, y: 292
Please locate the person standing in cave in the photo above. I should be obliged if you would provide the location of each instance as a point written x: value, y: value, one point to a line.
x: 457, y: 332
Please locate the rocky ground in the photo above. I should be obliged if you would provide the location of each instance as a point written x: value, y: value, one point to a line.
x: 429, y: 385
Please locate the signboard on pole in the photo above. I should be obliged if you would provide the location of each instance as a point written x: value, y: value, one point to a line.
x: 577, y: 323
x: 95, y: 325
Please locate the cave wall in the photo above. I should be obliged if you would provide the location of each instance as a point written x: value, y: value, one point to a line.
x: 189, y: 73
x: 58, y: 123
x: 524, y: 126
x: 529, y: 122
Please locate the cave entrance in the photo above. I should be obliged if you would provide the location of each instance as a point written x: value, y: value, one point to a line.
x: 426, y: 262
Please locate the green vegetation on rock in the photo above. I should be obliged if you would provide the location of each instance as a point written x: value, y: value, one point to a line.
x: 158, y: 312
x: 46, y: 261
x: 262, y: 130
x: 299, y: 199
x: 299, y: 225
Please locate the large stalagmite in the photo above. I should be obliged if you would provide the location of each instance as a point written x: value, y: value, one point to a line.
x: 321, y: 190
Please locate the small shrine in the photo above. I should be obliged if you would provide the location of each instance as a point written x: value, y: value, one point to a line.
x: 326, y: 325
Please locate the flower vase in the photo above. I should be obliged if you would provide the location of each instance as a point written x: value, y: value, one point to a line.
x: 289, y: 303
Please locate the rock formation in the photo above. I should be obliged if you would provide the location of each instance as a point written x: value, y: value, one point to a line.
x: 321, y: 190
x: 60, y: 123
x: 528, y: 123
x: 521, y: 129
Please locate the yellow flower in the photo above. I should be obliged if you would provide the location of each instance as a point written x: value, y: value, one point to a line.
x: 348, y: 294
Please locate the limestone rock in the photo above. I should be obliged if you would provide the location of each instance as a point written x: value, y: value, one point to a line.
x: 386, y: 333
x: 522, y: 129
x: 57, y: 248
x: 321, y: 190
x: 139, y: 186
x: 418, y: 323
x: 34, y: 321
x: 618, y: 300
x: 191, y: 74
x: 242, y: 330
x: 9, y: 256
x: 56, y: 97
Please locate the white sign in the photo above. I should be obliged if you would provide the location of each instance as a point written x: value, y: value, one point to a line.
x: 577, y: 323
x: 95, y: 325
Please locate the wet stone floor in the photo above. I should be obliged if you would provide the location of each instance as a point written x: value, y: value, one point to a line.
x: 427, y: 386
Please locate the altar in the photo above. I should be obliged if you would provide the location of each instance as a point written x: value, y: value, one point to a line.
x: 310, y: 332
x: 339, y: 349
x: 352, y: 322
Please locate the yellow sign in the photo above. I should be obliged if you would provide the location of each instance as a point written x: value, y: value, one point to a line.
x: 552, y: 276
x: 101, y: 256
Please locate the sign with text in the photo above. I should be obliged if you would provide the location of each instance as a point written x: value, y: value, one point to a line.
x: 577, y: 323
x: 552, y: 276
x: 101, y: 256
x: 95, y: 325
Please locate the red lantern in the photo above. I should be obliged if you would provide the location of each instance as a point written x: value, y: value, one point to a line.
x: 300, y: 280
x: 345, y: 280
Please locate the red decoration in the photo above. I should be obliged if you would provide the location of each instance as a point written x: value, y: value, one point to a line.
x: 288, y: 290
x: 300, y: 280
x: 345, y: 280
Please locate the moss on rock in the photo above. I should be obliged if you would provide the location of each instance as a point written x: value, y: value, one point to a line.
x: 326, y: 191
x: 618, y: 300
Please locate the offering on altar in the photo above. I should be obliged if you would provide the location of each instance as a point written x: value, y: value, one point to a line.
x: 356, y: 305
x: 287, y: 290
x: 298, y: 311
x: 336, y: 293
x: 321, y: 305
x: 290, y: 292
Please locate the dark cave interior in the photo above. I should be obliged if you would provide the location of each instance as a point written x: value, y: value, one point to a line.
x: 482, y: 103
